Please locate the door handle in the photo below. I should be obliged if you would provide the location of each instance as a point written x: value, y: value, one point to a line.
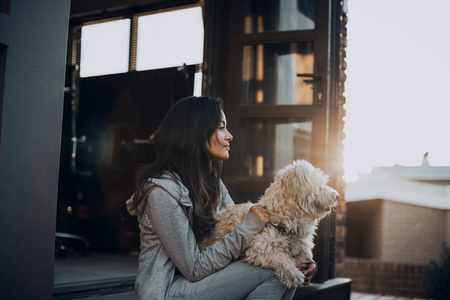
x: 315, y: 78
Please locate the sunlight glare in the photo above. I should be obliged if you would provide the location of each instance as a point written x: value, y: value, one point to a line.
x: 397, y: 77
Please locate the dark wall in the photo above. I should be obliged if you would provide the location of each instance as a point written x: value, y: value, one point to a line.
x: 364, y: 228
x: 35, y: 36
x: 81, y: 8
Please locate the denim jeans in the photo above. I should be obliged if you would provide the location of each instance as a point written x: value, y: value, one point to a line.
x: 238, y: 280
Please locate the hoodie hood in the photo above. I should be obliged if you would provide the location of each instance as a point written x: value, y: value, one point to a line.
x: 172, y: 185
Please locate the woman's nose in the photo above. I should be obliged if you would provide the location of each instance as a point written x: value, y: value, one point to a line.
x: 229, y: 137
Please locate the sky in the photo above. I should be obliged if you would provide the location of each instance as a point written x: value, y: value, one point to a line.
x: 397, y: 88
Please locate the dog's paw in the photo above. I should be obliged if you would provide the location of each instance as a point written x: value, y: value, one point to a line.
x: 292, y: 278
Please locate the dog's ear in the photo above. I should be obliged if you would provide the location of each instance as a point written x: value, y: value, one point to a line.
x: 285, y: 184
x: 303, y: 173
x: 294, y: 181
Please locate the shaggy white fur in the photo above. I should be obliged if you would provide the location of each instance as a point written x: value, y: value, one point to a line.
x: 297, y: 200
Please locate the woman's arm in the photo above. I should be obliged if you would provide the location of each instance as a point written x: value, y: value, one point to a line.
x: 177, y: 238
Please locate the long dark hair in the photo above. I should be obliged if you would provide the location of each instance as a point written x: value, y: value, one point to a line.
x: 180, y: 145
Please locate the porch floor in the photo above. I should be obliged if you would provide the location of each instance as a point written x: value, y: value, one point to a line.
x: 115, y: 273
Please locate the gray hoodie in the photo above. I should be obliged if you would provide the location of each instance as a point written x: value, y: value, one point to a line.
x: 168, y: 242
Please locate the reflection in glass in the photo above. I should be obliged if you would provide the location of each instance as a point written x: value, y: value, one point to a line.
x: 269, y: 144
x: 278, y: 15
x: 269, y: 74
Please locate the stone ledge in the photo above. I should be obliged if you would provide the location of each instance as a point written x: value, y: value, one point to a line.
x: 336, y: 289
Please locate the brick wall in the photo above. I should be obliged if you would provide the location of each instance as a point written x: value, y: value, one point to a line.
x: 341, y: 210
x: 412, y: 233
x: 390, y: 244
x: 395, y: 232
x: 447, y: 226
x: 384, y: 278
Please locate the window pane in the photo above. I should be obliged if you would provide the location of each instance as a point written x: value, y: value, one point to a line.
x: 105, y: 48
x: 278, y: 15
x: 170, y: 39
x: 269, y: 74
x: 271, y: 144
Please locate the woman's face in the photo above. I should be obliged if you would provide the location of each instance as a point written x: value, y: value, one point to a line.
x: 219, y: 143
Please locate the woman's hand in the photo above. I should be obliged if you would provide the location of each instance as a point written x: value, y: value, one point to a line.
x: 310, y: 270
x: 261, y: 213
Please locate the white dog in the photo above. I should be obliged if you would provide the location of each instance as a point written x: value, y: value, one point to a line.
x: 297, y: 199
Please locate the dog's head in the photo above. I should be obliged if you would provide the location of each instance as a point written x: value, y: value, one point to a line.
x: 301, y: 186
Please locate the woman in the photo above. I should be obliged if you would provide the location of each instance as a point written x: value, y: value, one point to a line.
x: 174, y: 201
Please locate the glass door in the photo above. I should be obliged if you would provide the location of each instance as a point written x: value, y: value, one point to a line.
x: 277, y: 97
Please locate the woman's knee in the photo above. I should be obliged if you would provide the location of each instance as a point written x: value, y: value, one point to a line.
x: 268, y: 287
x: 267, y: 275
